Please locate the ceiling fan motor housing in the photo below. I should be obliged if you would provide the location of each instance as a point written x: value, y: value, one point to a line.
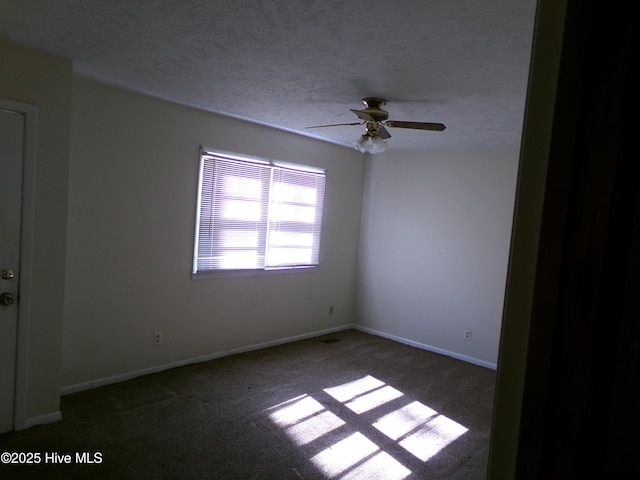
x: 373, y: 109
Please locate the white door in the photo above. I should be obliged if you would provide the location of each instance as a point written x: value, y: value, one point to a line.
x: 11, y: 156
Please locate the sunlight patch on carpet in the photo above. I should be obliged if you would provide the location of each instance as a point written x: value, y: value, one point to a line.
x: 364, y: 394
x: 304, y: 419
x: 420, y: 430
x: 339, y: 450
x: 350, y: 390
x: 358, y: 457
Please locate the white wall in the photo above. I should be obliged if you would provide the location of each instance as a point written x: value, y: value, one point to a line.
x: 43, y: 80
x: 432, y: 257
x: 132, y: 199
x: 434, y: 249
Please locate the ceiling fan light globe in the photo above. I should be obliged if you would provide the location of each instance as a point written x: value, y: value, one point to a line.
x: 378, y: 145
x: 370, y: 144
x: 363, y: 144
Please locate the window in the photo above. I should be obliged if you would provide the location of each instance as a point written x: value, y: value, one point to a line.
x: 257, y: 215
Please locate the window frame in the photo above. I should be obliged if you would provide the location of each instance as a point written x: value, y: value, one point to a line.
x: 205, y: 154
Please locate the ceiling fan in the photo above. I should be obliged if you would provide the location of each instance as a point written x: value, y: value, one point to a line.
x: 375, y: 120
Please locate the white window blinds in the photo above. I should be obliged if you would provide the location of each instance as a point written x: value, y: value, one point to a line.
x: 257, y: 215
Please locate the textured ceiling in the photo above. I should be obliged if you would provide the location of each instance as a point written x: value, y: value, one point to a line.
x: 298, y: 63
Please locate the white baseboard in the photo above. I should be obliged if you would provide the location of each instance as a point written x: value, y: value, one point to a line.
x: 430, y: 348
x: 224, y: 353
x: 39, y: 420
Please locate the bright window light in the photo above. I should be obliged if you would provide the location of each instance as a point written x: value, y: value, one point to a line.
x: 291, y: 239
x: 344, y: 454
x: 293, y: 411
x: 404, y: 420
x: 241, y: 187
x: 432, y: 437
x: 242, y: 259
x: 381, y: 466
x: 364, y: 394
x: 243, y: 210
x: 239, y: 238
x: 281, y: 212
x: 283, y: 192
x: 420, y: 429
x: 313, y: 428
x: 304, y: 419
x: 373, y: 399
x: 349, y: 391
x: 281, y: 205
x: 297, y: 256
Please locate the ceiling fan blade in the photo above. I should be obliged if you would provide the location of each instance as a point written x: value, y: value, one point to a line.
x: 363, y: 115
x: 383, y: 133
x: 438, y: 127
x: 336, y: 125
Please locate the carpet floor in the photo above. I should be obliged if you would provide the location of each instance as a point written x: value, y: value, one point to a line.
x: 343, y: 406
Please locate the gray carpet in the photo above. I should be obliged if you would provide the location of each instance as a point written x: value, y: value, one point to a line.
x: 347, y: 405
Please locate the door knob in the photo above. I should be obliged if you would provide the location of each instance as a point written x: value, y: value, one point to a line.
x: 7, y: 274
x: 6, y: 299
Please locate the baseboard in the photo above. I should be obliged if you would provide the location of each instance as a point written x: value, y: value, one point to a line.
x: 66, y: 390
x: 39, y: 420
x: 430, y: 348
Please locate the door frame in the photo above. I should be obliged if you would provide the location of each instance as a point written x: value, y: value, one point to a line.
x: 30, y: 115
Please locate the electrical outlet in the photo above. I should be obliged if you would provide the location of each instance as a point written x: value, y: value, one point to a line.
x: 157, y: 338
x: 467, y: 334
x: 331, y: 310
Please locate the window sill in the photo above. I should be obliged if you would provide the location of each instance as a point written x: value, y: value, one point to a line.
x: 250, y: 273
